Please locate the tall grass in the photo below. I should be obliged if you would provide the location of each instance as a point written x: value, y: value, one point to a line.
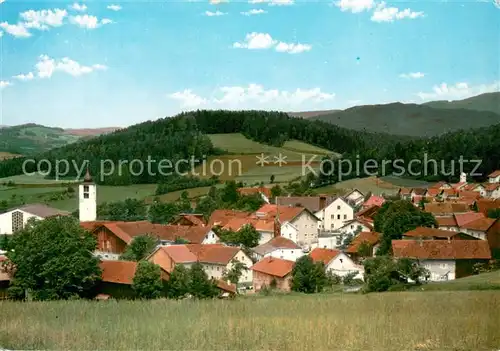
x: 389, y: 321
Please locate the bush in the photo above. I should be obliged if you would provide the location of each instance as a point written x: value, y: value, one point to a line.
x: 147, y: 280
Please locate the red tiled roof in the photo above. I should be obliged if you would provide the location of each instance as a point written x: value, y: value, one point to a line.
x: 441, y: 249
x: 494, y: 174
x: 450, y: 192
x: 446, y: 221
x: 214, y: 254
x: 374, y: 200
x: 312, y: 203
x: 224, y: 286
x: 484, y: 205
x: 433, y: 192
x: 481, y: 224
x: 262, y: 225
x: 459, y: 185
x: 364, y: 221
x: 464, y: 218
x: 274, y: 266
x: 121, y: 272
x: 469, y: 194
x: 438, y: 185
x: 286, y: 213
x: 492, y: 187
x: 471, y: 187
x: 195, y: 219
x: 180, y: 253
x: 430, y: 232
x: 222, y: 217
x: 446, y: 207
x: 368, y: 212
x: 419, y: 191
x: 370, y: 238
x: 323, y: 255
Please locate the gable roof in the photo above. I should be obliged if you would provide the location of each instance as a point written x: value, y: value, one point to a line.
x: 494, y: 174
x: 274, y: 266
x: 404, y: 191
x: 179, y: 253
x: 464, y: 218
x: 433, y: 192
x: 324, y: 255
x: 484, y: 205
x: 194, y: 219
x: 41, y: 210
x: 222, y: 217
x: 446, y: 207
x: 441, y: 249
x: 276, y: 243
x: 492, y: 187
x: 363, y: 221
x: 448, y: 221
x: 261, y: 225
x: 480, y: 224
x: 430, y: 232
x: 120, y: 272
x: 374, y: 200
x: 312, y: 203
x: 368, y: 212
x: 286, y: 213
x: 370, y: 238
x: 214, y: 253
x: 419, y: 191
x: 353, y: 191
x: 439, y: 185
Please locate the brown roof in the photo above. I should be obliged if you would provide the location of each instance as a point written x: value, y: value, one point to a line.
x: 214, y: 254
x: 494, y: 174
x: 464, y: 218
x: 441, y: 249
x: 469, y: 194
x: 419, y: 191
x: 430, y: 232
x: 179, y: 254
x: 368, y: 212
x: 222, y: 217
x: 481, y: 224
x: 492, y: 187
x: 370, y: 238
x: 286, y: 213
x: 404, y: 191
x: 274, y: 266
x: 484, y: 205
x: 374, y: 200
x: 438, y: 185
x: 42, y: 210
x: 446, y: 207
x: 275, y: 244
x: 312, y: 203
x: 323, y: 255
x: 224, y: 286
x: 195, y: 219
x: 450, y: 192
x: 433, y: 192
x: 364, y: 221
x: 121, y: 272
x: 262, y: 225
x: 449, y: 221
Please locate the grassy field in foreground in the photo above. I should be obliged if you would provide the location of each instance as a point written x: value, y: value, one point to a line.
x: 388, y: 321
x: 484, y: 281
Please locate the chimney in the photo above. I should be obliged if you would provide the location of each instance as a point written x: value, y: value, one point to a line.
x: 277, y: 223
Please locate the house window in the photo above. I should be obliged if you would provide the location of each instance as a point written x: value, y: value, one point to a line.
x: 338, y: 207
x: 345, y: 216
x: 339, y: 241
x: 352, y: 226
x: 17, y: 221
x: 338, y: 216
x: 217, y: 268
x: 291, y: 252
x: 85, y: 188
x: 333, y: 217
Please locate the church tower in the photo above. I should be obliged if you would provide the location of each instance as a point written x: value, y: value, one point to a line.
x: 88, y: 199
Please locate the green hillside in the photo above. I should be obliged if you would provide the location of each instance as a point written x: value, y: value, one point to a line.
x: 409, y: 119
x: 484, y: 102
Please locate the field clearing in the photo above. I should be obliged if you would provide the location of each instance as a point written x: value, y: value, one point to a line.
x: 35, y: 179
x: 28, y: 194
x: 373, y: 184
x: 193, y: 193
x: 482, y: 281
x: 263, y: 174
x: 405, y: 183
x: 387, y: 321
x: 6, y: 155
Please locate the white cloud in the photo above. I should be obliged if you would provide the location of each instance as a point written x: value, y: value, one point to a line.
x: 17, y: 30
x: 256, y: 41
x: 261, y: 41
x: 293, y: 48
x: 2, y: 1
x: 216, y: 13
x: 255, y: 12
x: 89, y: 22
x: 459, y: 90
x: 187, y: 99
x: 77, y: 7
x: 253, y: 96
x: 389, y: 14
x: 4, y: 84
x: 496, y: 3
x: 217, y: 2
x: 1, y: 34
x: 412, y: 75
x: 43, y: 19
x: 114, y: 7
x: 25, y: 77
x: 273, y: 2
x: 355, y: 6
x: 46, y: 67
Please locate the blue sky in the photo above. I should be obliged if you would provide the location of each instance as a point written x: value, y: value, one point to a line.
x: 96, y: 63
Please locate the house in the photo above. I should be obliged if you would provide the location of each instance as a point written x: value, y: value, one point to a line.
x: 337, y: 262
x: 272, y: 271
x: 374, y: 200
x: 216, y: 259
x: 431, y: 193
x: 113, y: 237
x: 370, y: 239
x: 191, y: 219
x: 222, y: 217
x: 493, y: 191
x: 464, y: 218
x: 355, y: 197
x: 440, y: 185
x: 446, y: 208
x: 485, y: 205
x: 447, y: 223
x: 449, y: 194
x: 265, y: 193
x: 434, y: 234
x: 330, y: 240
x: 478, y: 188
x: 303, y: 223
x: 368, y: 213
x: 446, y: 260
x: 312, y: 203
x: 335, y: 215
x: 117, y: 278
x: 265, y: 227
x: 417, y: 192
x: 361, y: 224
x: 279, y: 247
x: 16, y: 219
x: 404, y: 193
x: 494, y: 177
x: 484, y: 229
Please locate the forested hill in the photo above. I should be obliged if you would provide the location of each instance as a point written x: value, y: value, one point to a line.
x: 484, y: 102
x: 183, y: 136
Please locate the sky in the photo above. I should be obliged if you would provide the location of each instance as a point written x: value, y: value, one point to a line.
x: 92, y: 64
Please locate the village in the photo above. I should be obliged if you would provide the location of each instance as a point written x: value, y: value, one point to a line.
x: 290, y: 227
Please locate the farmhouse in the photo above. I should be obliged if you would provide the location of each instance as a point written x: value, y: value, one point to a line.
x: 17, y: 218
x: 191, y: 219
x: 335, y: 215
x: 494, y: 177
x: 312, y: 203
x: 374, y: 201
x: 368, y: 213
x: 337, y: 262
x: 493, y: 190
x: 272, y: 272
x: 222, y: 217
x: 216, y: 259
x: 434, y: 234
x: 484, y: 229
x: 371, y: 242
x: 356, y: 224
x: 279, y: 247
x: 446, y: 260
x: 355, y: 197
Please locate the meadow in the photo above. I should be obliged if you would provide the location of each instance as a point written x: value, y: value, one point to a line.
x: 399, y: 321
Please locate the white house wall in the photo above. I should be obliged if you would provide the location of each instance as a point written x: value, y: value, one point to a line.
x: 336, y: 214
x: 441, y: 270
x: 286, y: 254
x: 342, y: 265
x: 307, y: 227
x: 6, y: 221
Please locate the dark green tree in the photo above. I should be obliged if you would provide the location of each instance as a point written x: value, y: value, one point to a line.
x: 236, y: 271
x: 139, y: 248
x: 275, y: 192
x: 128, y: 210
x: 178, y: 284
x: 271, y: 179
x: 494, y: 213
x: 199, y: 285
x: 147, y: 282
x: 308, y: 276
x: 163, y: 213
x: 54, y: 259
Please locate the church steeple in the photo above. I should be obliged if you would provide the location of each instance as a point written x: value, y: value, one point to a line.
x: 88, y: 199
x: 88, y: 177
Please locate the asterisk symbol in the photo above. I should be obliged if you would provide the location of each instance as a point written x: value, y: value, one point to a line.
x: 280, y: 159
x: 262, y: 160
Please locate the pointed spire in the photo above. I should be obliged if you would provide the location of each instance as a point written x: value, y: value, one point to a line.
x: 88, y: 177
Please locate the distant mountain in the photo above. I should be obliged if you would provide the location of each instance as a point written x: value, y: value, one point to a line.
x: 309, y: 114
x: 409, y: 119
x: 28, y: 139
x: 484, y: 102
